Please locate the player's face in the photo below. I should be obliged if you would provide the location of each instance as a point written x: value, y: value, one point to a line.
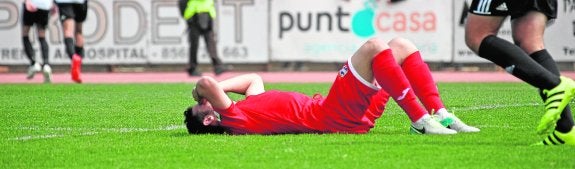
x: 207, y: 114
x: 203, y: 108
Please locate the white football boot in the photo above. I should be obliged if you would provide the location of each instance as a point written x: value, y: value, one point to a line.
x: 450, y: 121
x: 47, y: 70
x: 428, y: 125
x: 33, y: 69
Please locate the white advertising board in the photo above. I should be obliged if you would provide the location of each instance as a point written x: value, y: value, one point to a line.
x: 144, y: 32
x: 331, y: 30
x: 560, y: 36
x: 243, y: 31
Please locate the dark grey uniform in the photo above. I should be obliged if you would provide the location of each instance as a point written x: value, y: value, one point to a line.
x: 513, y: 8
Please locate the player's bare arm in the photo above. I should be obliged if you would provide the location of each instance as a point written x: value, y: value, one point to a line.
x: 247, y: 84
x: 208, y: 89
x: 215, y: 92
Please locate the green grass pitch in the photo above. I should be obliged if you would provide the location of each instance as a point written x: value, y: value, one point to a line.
x: 140, y: 126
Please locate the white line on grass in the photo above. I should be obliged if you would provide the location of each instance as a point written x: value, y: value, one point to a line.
x: 95, y: 131
x: 87, y: 131
x: 495, y: 106
x: 24, y: 138
x: 482, y: 107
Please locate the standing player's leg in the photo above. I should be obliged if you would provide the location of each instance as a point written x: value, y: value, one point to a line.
x: 210, y: 41
x: 424, y: 87
x: 528, y: 33
x: 68, y: 26
x: 41, y: 25
x: 193, y: 40
x: 45, y: 50
x: 374, y: 60
x: 80, y: 12
x: 30, y: 53
x: 529, y: 21
x: 67, y: 16
x: 519, y: 64
x: 480, y: 36
x: 27, y: 23
x: 78, y: 35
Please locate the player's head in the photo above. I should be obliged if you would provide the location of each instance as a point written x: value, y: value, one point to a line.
x: 201, y: 119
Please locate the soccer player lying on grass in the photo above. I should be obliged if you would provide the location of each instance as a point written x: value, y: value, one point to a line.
x: 353, y: 104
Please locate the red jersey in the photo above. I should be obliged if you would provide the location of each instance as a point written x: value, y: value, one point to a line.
x: 351, y: 106
x: 273, y: 112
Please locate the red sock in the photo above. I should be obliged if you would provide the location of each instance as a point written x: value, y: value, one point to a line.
x: 390, y: 77
x: 422, y: 82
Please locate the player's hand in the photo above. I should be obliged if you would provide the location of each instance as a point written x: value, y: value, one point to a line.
x: 201, y: 100
x: 30, y: 7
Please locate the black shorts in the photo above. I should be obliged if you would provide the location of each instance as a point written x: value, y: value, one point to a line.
x: 513, y: 8
x: 78, y: 12
x: 40, y: 18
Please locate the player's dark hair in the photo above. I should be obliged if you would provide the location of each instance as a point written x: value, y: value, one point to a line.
x: 194, y: 123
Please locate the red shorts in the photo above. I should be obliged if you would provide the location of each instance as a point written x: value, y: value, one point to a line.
x: 348, y: 101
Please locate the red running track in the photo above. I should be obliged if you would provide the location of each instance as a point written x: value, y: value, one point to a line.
x: 272, y: 77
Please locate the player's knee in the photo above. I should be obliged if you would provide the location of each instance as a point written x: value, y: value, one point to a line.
x: 376, y: 43
x: 374, y: 46
x: 403, y: 44
x: 530, y: 47
x: 473, y: 41
x: 255, y: 76
x: 78, y: 32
